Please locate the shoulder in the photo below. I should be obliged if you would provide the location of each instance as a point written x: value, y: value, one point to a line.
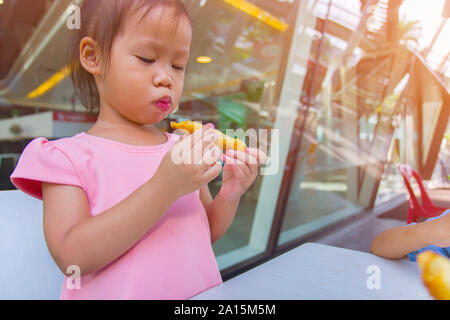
x: 45, y: 160
x: 43, y: 146
x: 60, y: 143
x: 56, y: 150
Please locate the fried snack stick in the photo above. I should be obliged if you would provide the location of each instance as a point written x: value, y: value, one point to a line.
x: 435, y: 274
x: 224, y: 141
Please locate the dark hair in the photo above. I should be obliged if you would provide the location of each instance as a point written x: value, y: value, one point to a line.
x: 102, y: 20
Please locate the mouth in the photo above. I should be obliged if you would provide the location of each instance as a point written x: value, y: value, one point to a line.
x: 164, y: 103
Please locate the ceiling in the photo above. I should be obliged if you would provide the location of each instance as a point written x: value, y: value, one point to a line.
x: 18, y: 21
x: 40, y: 35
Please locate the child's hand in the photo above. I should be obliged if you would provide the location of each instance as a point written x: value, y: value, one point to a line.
x: 438, y: 232
x: 239, y: 172
x: 190, y: 164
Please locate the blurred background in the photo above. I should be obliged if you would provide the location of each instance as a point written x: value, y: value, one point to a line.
x: 355, y: 88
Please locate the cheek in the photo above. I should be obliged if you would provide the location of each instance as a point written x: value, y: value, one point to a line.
x: 127, y: 84
x: 179, y: 85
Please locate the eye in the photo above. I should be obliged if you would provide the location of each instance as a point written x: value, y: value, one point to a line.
x: 149, y: 61
x: 178, y: 68
x: 145, y: 60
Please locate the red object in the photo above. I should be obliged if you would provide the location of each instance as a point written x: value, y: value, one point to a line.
x: 417, y: 210
x: 68, y: 116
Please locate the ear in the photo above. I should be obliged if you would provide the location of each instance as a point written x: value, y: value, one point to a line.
x: 89, y: 55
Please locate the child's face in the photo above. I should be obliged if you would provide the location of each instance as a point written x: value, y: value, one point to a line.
x: 145, y: 66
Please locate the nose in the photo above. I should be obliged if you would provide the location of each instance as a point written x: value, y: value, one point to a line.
x: 162, y: 78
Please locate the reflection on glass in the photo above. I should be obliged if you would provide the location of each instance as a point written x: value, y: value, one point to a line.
x: 350, y: 97
x: 237, y: 88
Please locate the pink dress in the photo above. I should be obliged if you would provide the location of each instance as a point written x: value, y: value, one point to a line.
x: 173, y: 260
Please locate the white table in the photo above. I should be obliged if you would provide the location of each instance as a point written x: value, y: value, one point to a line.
x: 317, y: 271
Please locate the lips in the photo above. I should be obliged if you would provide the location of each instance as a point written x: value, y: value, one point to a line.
x: 164, y: 103
x: 165, y: 99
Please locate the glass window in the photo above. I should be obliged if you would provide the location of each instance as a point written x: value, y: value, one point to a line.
x: 245, y: 44
x: 325, y: 78
x: 345, y: 125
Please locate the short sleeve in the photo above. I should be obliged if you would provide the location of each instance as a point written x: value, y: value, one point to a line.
x: 43, y: 161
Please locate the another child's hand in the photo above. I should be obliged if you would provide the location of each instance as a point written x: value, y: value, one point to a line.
x: 240, y: 171
x: 190, y: 164
x: 438, y: 232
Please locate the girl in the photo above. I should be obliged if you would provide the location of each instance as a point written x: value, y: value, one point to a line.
x: 116, y: 207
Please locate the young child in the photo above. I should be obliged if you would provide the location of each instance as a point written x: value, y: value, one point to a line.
x: 399, y: 242
x: 116, y: 206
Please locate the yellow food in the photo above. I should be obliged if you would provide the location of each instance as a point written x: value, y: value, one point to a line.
x: 225, y: 142
x: 435, y: 274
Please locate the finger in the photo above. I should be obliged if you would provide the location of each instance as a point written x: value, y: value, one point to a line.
x: 190, y: 148
x: 212, y: 172
x: 253, y: 169
x: 239, y: 158
x: 202, y: 145
x: 242, y: 156
x: 204, y: 138
x: 210, y: 138
x: 188, y: 140
x: 238, y: 174
x: 252, y: 162
x: 181, y: 152
x: 245, y: 170
x: 229, y: 160
x: 210, y: 125
x: 212, y: 155
x: 198, y: 135
x: 258, y: 154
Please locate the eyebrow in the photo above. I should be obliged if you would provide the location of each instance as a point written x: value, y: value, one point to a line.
x: 157, y: 44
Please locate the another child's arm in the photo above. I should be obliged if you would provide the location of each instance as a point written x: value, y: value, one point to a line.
x: 396, y: 243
